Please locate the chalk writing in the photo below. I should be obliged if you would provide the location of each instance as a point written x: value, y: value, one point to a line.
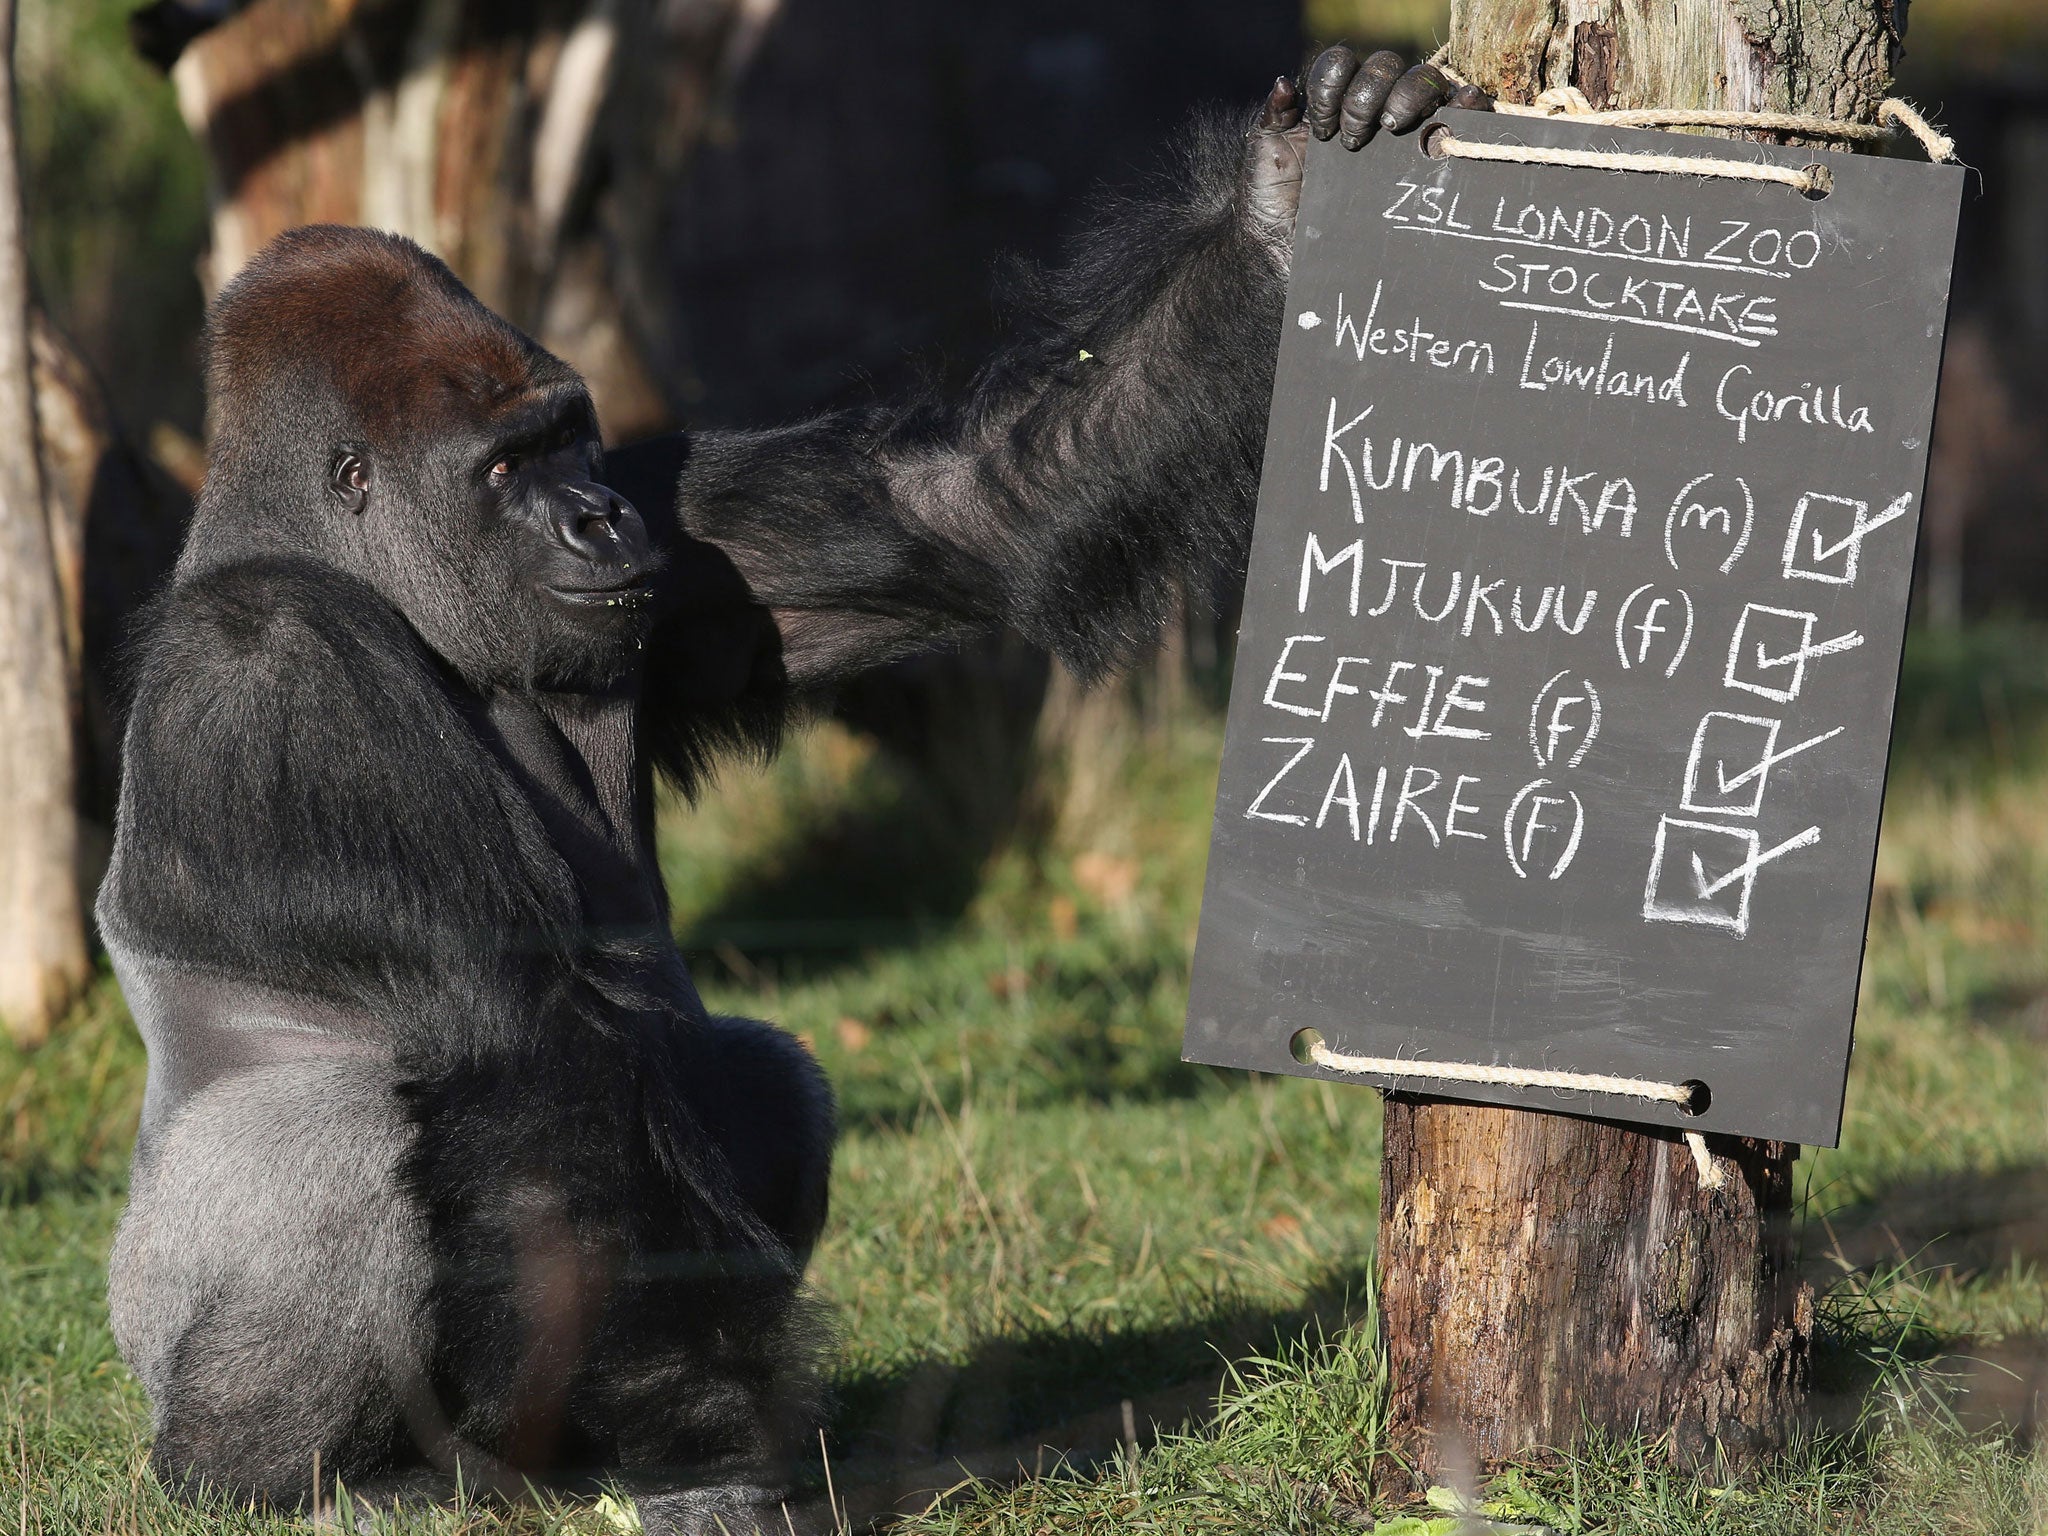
x: 1703, y: 504
x: 1770, y: 648
x: 1562, y: 718
x: 1811, y: 405
x: 1427, y: 802
x: 1711, y: 872
x: 1525, y: 822
x: 1660, y: 303
x: 1566, y: 666
x: 1408, y: 343
x: 1570, y: 370
x: 1653, y: 622
x: 1833, y: 552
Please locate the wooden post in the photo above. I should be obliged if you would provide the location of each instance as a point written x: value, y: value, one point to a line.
x: 1541, y: 1272
x: 42, y: 920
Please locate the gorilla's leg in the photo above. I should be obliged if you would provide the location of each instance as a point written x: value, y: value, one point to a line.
x: 752, y: 1394
x: 769, y: 1107
x: 269, y: 1283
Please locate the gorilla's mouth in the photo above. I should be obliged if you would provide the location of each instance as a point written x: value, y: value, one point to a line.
x: 630, y: 594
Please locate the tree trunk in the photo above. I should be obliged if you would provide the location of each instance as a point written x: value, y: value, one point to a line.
x: 1829, y: 58
x: 1540, y: 1272
x: 115, y: 519
x: 42, y: 921
x: 528, y: 146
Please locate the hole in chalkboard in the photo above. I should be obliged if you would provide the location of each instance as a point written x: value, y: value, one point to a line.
x: 1699, y: 1097
x: 1303, y: 1046
x: 1431, y: 140
x: 1821, y: 181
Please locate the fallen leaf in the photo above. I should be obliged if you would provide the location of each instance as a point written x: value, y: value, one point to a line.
x: 1007, y: 984
x: 1064, y: 917
x: 1107, y: 877
x: 852, y: 1034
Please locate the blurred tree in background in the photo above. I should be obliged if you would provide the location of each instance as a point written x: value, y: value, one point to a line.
x: 116, y: 195
x: 43, y: 961
x: 527, y: 142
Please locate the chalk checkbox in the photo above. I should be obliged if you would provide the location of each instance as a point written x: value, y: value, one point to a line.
x: 1825, y: 541
x: 1703, y: 873
x: 1770, y: 648
x: 1730, y: 762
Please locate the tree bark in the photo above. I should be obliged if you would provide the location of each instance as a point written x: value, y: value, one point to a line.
x: 115, y: 519
x: 43, y: 961
x: 527, y: 145
x: 1540, y: 1273
x: 1829, y: 58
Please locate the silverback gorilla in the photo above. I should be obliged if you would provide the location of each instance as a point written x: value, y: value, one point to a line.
x: 443, y: 1164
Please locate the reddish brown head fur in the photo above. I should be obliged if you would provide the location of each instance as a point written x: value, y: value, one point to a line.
x: 398, y: 341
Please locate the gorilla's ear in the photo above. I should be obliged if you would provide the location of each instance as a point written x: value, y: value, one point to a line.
x: 348, y: 477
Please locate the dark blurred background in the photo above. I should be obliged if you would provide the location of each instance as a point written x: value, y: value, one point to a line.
x: 735, y: 211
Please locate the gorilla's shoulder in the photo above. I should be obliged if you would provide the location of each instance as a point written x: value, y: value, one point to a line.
x: 286, y: 646
x: 279, y: 608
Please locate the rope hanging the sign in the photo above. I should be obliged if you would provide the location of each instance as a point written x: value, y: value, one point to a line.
x: 1567, y: 101
x: 1809, y: 179
x: 1683, y: 1095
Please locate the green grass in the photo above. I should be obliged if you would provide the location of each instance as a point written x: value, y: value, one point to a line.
x: 1041, y: 1214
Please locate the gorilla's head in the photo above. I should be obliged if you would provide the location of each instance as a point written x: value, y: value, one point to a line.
x: 367, y: 412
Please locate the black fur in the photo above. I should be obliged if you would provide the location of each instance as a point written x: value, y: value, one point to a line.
x: 445, y: 1162
x: 1065, y: 496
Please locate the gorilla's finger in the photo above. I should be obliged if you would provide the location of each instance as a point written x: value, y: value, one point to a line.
x: 1471, y: 98
x: 1282, y: 109
x: 1367, y: 97
x: 1414, y: 96
x: 1328, y: 78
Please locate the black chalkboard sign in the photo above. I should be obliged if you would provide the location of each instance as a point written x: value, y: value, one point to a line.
x: 1565, y: 683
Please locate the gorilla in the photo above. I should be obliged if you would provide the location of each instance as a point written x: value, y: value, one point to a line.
x: 444, y: 1168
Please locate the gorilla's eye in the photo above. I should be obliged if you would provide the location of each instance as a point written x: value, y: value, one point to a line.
x: 505, y: 467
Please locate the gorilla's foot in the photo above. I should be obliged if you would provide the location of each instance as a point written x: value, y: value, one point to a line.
x: 740, y: 1509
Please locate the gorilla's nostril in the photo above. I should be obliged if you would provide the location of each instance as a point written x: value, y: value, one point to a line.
x: 586, y: 530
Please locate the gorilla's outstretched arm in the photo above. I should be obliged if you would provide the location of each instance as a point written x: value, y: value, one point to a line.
x: 1113, y: 446
x: 1109, y: 454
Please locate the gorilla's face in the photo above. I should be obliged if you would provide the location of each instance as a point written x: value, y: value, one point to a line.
x: 371, y: 414
x: 500, y: 545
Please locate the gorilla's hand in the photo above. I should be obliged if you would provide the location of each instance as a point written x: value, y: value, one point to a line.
x: 1342, y: 97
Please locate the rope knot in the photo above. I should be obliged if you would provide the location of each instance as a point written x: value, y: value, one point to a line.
x: 1939, y: 146
x: 1562, y: 100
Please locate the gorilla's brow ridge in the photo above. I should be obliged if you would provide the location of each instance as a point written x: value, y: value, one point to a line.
x: 533, y: 419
